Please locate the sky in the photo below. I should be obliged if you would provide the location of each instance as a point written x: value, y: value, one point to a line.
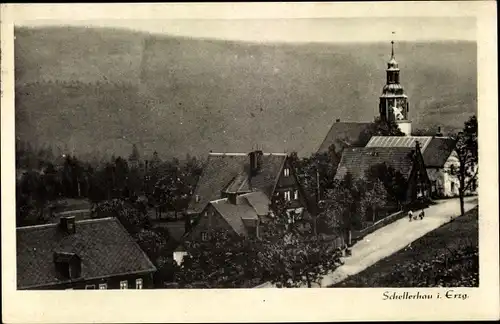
x: 297, y: 30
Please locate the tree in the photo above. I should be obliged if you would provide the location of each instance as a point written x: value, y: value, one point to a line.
x: 393, y: 181
x: 374, y: 198
x: 290, y: 255
x: 151, y: 242
x: 316, y: 173
x: 226, y: 260
x: 341, y: 208
x: 31, y: 199
x: 289, y: 259
x: 131, y: 216
x: 467, y: 155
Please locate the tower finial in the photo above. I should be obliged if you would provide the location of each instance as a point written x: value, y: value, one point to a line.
x: 392, y: 46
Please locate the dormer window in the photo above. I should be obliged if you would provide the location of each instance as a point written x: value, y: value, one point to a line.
x: 286, y: 172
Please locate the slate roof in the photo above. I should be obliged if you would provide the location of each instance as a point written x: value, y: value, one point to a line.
x: 223, y: 169
x: 259, y: 202
x: 438, y: 151
x: 245, y: 212
x: 358, y: 160
x: 340, y: 132
x: 435, y: 150
x: 234, y: 214
x: 103, y: 245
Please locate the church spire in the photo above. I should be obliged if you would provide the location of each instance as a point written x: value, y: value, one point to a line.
x: 393, y: 101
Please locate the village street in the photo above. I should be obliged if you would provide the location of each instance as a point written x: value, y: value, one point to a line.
x: 392, y: 238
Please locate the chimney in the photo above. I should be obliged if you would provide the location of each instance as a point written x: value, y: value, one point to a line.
x: 231, y: 197
x: 67, y: 224
x: 338, y: 120
x: 255, y: 161
x: 439, y: 134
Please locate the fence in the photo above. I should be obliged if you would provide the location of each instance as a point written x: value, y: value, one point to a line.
x: 357, y: 235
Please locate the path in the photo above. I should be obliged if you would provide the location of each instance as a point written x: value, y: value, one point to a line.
x: 392, y: 238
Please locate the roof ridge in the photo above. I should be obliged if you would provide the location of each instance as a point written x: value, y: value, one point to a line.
x: 82, y: 221
x: 217, y: 200
x: 245, y: 154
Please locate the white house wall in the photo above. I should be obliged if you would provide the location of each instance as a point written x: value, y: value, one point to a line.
x: 444, y: 182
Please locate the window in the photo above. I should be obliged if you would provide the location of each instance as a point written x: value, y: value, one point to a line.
x: 296, y: 194
x: 204, y: 236
x: 286, y: 172
x: 124, y: 284
x: 89, y: 286
x: 138, y: 283
x: 103, y: 286
x: 452, y: 187
x: 287, y: 195
x: 205, y: 214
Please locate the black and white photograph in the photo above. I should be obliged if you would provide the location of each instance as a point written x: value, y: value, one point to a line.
x: 263, y: 153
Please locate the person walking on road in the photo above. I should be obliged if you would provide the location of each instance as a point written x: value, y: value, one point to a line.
x: 422, y: 214
x: 410, y: 215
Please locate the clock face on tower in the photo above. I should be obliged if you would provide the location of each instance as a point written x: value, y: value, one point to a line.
x: 397, y: 108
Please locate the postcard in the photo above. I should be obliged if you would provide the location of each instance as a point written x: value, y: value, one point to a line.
x: 249, y: 162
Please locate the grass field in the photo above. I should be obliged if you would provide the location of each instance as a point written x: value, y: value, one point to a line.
x: 422, y: 262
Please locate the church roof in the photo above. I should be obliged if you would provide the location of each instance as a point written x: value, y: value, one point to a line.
x: 342, y: 132
x: 358, y: 160
x: 435, y: 150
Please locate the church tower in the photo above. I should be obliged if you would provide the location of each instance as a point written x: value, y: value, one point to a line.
x: 394, y: 104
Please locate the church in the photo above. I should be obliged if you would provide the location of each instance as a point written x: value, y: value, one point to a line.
x: 437, y: 151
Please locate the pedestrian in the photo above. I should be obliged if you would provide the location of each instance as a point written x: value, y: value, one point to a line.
x: 410, y: 215
x: 422, y: 214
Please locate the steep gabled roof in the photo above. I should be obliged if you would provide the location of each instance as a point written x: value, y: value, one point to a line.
x: 341, y: 132
x: 245, y: 212
x: 233, y: 214
x: 438, y: 151
x: 259, y: 202
x: 435, y: 150
x: 223, y: 170
x: 358, y: 160
x: 103, y: 245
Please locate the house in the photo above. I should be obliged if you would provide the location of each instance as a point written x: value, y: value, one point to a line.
x: 237, y: 190
x: 439, y: 158
x: 407, y: 161
x: 241, y: 214
x: 86, y: 254
x: 343, y: 134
